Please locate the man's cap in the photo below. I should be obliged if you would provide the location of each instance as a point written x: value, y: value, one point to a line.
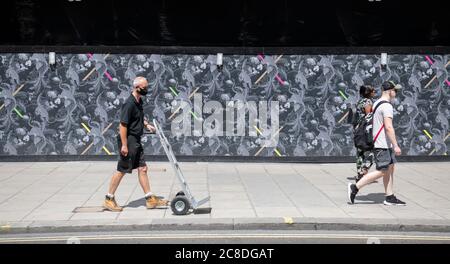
x: 390, y: 85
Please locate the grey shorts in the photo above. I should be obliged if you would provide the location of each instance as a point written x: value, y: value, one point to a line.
x: 384, y: 158
x: 135, y: 157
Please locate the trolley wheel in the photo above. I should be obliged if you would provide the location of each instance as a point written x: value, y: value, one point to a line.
x: 180, y: 193
x: 180, y: 205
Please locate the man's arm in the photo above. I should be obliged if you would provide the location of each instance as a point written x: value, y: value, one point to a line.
x: 390, y: 133
x: 123, y: 138
x: 123, y: 133
x: 148, y: 126
x: 125, y: 116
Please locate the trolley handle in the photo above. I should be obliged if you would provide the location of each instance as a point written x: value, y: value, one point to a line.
x: 161, y: 135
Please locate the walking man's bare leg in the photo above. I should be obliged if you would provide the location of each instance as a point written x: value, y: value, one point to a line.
x: 143, y: 179
x: 110, y: 202
x: 388, y: 180
x: 369, y: 178
x: 115, y: 181
x: 151, y: 200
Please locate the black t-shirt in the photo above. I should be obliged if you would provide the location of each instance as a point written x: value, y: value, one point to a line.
x: 132, y: 114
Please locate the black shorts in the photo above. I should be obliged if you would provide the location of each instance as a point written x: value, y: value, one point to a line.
x: 135, y: 157
x: 384, y: 158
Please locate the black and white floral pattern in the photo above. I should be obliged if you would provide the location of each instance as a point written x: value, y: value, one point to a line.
x: 314, y: 93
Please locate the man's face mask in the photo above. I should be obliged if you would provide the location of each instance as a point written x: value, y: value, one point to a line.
x: 142, y: 91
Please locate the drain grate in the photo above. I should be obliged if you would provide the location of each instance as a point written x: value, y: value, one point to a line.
x: 88, y: 209
x: 206, y: 210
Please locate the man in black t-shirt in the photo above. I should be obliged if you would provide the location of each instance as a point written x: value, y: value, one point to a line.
x: 131, y: 128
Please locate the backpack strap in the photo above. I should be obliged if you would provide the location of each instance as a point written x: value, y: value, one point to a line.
x: 373, y: 114
x: 380, y: 103
x: 378, y: 133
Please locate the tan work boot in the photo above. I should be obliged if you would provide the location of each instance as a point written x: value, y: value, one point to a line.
x: 153, y: 202
x: 111, y: 205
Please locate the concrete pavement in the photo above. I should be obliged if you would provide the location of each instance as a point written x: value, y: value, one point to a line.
x: 41, y: 197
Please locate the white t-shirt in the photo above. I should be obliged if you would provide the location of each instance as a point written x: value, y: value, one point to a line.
x: 385, y: 110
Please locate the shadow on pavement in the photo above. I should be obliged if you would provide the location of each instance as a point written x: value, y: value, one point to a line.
x: 374, y: 198
x: 141, y: 203
x: 136, y: 203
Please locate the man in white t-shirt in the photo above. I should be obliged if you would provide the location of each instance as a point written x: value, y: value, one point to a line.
x: 385, y: 147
